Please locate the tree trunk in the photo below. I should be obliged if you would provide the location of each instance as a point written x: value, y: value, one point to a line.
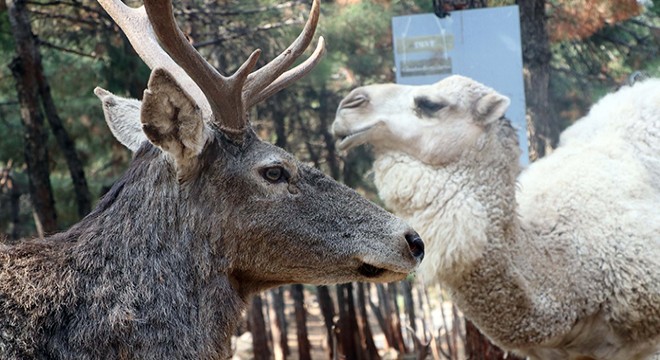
x: 395, y: 318
x: 304, y: 347
x: 381, y: 312
x: 543, y: 129
x: 15, y: 197
x: 328, y: 312
x: 409, y: 303
x: 346, y: 346
x: 63, y: 139
x: 279, y: 330
x: 352, y: 323
x: 258, y: 329
x: 279, y: 116
x: 367, y: 339
x: 327, y: 111
x: 24, y: 68
x: 477, y: 346
x: 455, y: 330
x: 13, y: 193
x: 65, y: 143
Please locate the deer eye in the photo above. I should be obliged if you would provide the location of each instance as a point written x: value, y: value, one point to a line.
x: 274, y: 174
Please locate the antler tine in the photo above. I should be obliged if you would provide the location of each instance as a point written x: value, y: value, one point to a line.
x: 290, y: 76
x: 263, y: 78
x: 135, y: 24
x: 223, y: 93
x: 224, y: 99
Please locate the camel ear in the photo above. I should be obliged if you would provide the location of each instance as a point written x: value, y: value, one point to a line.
x: 171, y: 119
x: 123, y: 118
x: 491, y: 107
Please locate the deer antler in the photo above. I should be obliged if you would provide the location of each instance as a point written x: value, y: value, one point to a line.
x: 230, y: 97
x: 272, y: 77
x: 135, y: 24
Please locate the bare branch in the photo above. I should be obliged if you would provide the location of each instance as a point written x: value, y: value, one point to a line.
x: 63, y: 49
x: 66, y: 3
x: 238, y: 33
x: 74, y: 19
x: 197, y: 12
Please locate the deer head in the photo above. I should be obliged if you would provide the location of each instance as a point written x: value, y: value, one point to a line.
x: 270, y: 218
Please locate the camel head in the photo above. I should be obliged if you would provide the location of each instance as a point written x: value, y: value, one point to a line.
x: 434, y: 123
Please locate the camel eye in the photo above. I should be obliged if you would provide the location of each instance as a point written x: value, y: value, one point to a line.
x: 354, y: 101
x: 274, y: 174
x: 427, y: 106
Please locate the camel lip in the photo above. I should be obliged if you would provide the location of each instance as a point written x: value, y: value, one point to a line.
x: 349, y: 140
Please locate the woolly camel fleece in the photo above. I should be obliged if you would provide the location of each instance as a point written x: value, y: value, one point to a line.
x: 561, y: 262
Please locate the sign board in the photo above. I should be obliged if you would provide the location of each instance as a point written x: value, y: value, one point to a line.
x: 482, y: 44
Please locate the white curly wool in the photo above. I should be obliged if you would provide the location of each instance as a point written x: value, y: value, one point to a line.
x: 562, y: 262
x: 433, y: 204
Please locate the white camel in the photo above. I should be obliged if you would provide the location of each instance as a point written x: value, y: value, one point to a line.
x: 561, y: 262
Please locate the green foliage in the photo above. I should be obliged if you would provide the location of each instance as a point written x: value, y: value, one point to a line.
x: 360, y: 40
x: 73, y: 79
x: 585, y: 70
x: 10, y: 125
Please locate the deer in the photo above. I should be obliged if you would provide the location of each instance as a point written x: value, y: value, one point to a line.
x: 205, y: 216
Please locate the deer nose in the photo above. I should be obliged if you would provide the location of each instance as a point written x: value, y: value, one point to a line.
x: 416, y: 245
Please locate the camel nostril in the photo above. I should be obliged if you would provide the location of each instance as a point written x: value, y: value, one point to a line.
x: 416, y: 245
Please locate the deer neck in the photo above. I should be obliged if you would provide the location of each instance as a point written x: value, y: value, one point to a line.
x: 168, y: 279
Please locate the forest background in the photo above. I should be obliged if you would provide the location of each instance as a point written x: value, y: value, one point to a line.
x: 54, y: 52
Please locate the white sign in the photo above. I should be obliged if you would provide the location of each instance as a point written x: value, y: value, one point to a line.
x: 482, y: 44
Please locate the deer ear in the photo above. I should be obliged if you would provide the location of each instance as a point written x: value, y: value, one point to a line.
x: 171, y: 119
x: 123, y: 118
x: 491, y: 107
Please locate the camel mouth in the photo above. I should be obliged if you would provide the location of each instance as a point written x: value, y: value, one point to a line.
x: 347, y: 141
